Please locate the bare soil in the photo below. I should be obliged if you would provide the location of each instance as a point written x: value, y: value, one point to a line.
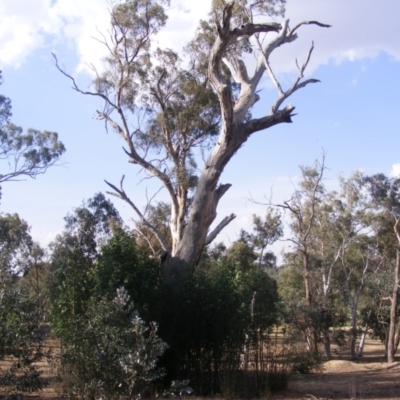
x: 370, y: 377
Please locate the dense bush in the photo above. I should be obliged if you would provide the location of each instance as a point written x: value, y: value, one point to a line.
x: 20, y: 341
x: 20, y: 333
x: 109, y: 351
x: 214, y: 321
x: 208, y: 322
x: 122, y: 262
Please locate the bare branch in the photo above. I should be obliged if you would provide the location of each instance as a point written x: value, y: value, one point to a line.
x: 296, y: 85
x: 278, y: 117
x: 144, y: 236
x: 309, y: 23
x: 76, y: 87
x: 121, y: 194
x: 149, y: 200
x: 250, y: 29
x: 212, y: 235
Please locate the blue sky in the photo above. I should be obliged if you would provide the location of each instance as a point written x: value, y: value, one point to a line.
x: 351, y: 114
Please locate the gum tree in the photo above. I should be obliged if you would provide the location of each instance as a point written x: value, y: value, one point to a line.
x: 170, y: 114
x: 385, y: 195
x: 29, y: 153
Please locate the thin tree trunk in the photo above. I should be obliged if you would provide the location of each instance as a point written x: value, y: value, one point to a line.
x: 325, y: 331
x: 363, y: 336
x: 397, y: 338
x: 393, y: 308
x: 327, y: 344
x: 246, y: 348
x: 353, y: 338
x: 312, y: 334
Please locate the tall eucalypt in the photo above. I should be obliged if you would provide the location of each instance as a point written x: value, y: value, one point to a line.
x: 171, y: 114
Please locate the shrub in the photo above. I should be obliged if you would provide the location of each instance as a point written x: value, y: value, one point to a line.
x: 20, y: 341
x: 211, y: 320
x: 109, y: 351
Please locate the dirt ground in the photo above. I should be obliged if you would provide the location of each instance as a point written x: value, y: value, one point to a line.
x: 370, y: 377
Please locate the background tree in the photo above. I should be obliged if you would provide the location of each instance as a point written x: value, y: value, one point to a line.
x: 23, y: 154
x: 385, y: 193
x: 15, y: 245
x: 359, y: 257
x: 35, y: 279
x: 26, y: 154
x: 241, y: 252
x: 303, y: 208
x: 265, y: 233
x: 20, y: 333
x: 203, y: 108
x: 73, y: 258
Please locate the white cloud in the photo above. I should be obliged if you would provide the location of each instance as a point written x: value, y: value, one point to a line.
x: 360, y: 29
x: 395, y: 170
x: 30, y: 24
x: 23, y: 27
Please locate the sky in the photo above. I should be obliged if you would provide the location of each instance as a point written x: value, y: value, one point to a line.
x: 350, y: 115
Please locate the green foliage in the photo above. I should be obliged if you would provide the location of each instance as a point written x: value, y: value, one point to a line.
x: 242, y: 254
x: 27, y: 154
x: 133, y: 23
x: 243, y: 12
x: 305, y: 363
x: 20, y: 334
x: 20, y: 341
x: 5, y: 107
x: 74, y: 254
x: 266, y: 232
x: 206, y: 322
x: 260, y: 292
x: 158, y: 216
x: 35, y: 279
x: 71, y: 280
x: 122, y: 263
x: 15, y: 243
x: 291, y: 285
x: 109, y: 352
x: 92, y: 223
x: 206, y: 318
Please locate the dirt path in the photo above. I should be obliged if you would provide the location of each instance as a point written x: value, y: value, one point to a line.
x: 368, y: 378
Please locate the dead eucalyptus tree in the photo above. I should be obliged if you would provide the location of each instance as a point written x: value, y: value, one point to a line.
x: 202, y: 106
